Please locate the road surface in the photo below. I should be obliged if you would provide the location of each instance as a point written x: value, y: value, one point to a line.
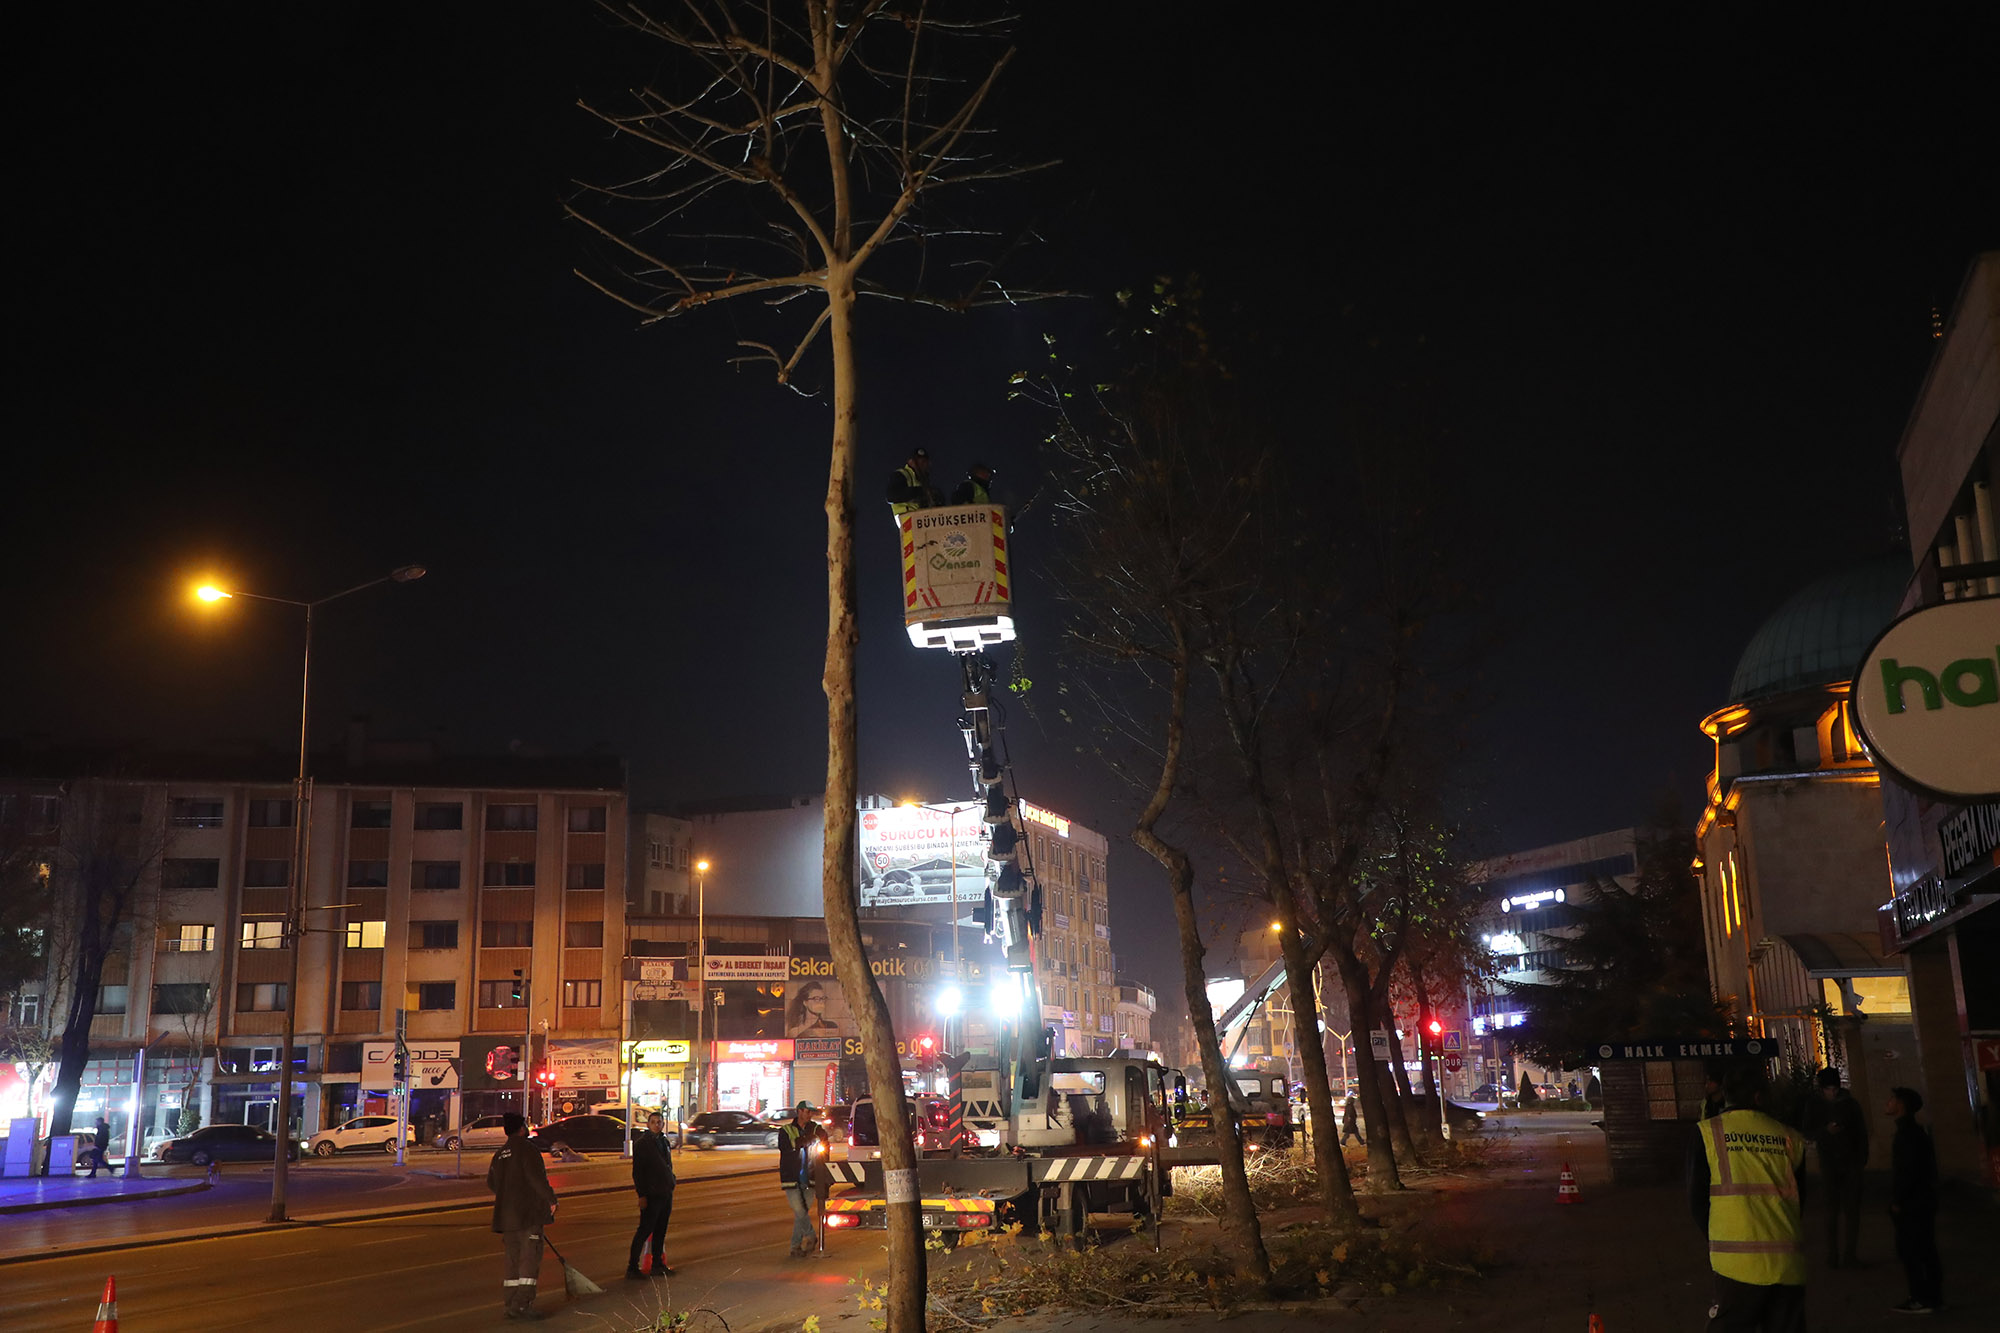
x: 442, y: 1270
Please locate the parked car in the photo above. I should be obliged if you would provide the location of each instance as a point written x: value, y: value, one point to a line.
x: 487, y: 1131
x: 365, y: 1132
x: 1485, y: 1097
x: 730, y: 1129
x: 582, y: 1133
x: 224, y: 1143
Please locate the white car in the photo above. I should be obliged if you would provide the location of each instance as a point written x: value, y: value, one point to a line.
x: 367, y: 1131
x: 488, y: 1131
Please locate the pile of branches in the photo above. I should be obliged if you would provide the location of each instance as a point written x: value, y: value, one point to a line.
x: 1007, y: 1274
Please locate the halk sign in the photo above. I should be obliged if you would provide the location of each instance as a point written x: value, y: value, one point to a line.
x: 1927, y: 699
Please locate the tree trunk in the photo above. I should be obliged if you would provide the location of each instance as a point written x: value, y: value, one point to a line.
x: 1240, y: 1227
x: 905, y: 1300
x: 1336, y: 1188
x: 87, y: 971
x: 1375, y: 1096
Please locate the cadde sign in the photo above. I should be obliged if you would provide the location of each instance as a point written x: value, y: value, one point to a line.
x: 1927, y: 699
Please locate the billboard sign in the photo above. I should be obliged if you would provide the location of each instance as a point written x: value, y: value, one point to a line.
x: 914, y: 854
x: 432, y: 1064
x: 584, y: 1064
x: 1927, y: 699
x: 756, y: 968
x: 816, y: 1005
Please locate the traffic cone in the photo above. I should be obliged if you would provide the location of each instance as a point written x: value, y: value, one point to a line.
x: 107, y: 1308
x: 1566, y: 1191
x: 1596, y: 1325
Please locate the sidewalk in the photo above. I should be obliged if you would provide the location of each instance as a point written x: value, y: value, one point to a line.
x: 28, y: 1194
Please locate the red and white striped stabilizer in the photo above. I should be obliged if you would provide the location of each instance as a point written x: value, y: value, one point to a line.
x: 1566, y: 1190
x: 107, y: 1308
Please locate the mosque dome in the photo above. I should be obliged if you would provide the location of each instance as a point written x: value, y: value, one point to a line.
x: 1817, y: 637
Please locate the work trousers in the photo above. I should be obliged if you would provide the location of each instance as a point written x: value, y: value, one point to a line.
x: 95, y: 1156
x: 1843, y: 1212
x: 802, y: 1222
x: 524, y: 1266
x: 1742, y: 1307
x: 1916, y: 1246
x: 654, y: 1214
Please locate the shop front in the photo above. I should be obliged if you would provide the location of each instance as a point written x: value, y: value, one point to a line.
x: 490, y: 1077
x: 656, y: 1075
x: 753, y: 1076
x: 816, y: 1069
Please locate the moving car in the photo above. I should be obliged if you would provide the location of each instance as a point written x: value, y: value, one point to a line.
x: 730, y: 1129
x: 581, y: 1133
x: 487, y: 1131
x: 364, y: 1132
x: 224, y: 1143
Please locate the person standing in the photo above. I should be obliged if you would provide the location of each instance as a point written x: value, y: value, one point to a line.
x: 1840, y: 1133
x: 1750, y: 1209
x: 523, y: 1203
x: 653, y: 1178
x: 799, y: 1142
x: 1913, y: 1203
x: 910, y: 485
x: 100, y: 1141
x: 1350, y: 1123
x: 977, y: 488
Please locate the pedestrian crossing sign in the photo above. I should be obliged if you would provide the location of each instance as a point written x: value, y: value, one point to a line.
x: 1454, y: 1039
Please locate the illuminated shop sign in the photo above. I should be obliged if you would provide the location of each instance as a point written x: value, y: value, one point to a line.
x: 1537, y: 899
x: 1927, y: 699
x: 658, y: 1052
x: 1034, y: 814
x: 779, y: 1048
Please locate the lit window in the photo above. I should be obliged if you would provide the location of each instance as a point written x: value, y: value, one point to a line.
x: 263, y: 934
x: 583, y: 994
x: 366, y: 934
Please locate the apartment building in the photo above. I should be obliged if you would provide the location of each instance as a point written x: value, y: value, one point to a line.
x: 1078, y: 982
x: 430, y: 884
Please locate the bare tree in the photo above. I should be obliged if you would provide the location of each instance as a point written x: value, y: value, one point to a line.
x: 793, y: 153
x: 110, y: 850
x: 1142, y: 472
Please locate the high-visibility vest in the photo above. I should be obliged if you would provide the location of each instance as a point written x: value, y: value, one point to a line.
x: 898, y: 508
x: 980, y: 495
x: 1754, y: 1232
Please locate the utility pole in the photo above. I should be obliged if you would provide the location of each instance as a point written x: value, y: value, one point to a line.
x: 402, y: 1081
x: 524, y: 991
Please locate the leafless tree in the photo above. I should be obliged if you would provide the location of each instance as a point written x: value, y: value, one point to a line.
x: 1144, y: 477
x: 110, y: 851
x: 794, y: 155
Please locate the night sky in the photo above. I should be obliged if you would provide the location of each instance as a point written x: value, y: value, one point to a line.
x: 293, y: 305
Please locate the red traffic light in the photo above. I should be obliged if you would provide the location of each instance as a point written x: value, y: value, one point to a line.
x: 546, y: 1077
x: 926, y: 1044
x: 1437, y: 1028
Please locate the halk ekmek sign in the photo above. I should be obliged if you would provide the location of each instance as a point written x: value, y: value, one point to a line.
x: 1927, y: 699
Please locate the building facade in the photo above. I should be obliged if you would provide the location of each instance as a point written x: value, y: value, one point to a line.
x: 428, y: 886
x: 1528, y: 914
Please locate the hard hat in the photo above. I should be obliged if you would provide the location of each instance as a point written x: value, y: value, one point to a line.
x: 987, y: 468
x: 921, y: 452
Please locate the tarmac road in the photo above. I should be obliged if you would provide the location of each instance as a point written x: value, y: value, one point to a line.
x: 442, y: 1270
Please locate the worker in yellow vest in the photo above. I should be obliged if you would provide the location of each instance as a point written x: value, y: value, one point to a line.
x: 1756, y: 1238
x: 910, y: 486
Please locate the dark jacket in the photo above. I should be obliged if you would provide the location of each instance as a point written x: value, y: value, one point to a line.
x: 792, y: 1157
x: 907, y: 490
x: 652, y: 1165
x: 1839, y: 1130
x: 1912, y: 1168
x: 102, y: 1137
x: 522, y: 1196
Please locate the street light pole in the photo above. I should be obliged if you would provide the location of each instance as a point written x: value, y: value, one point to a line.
x: 294, y: 930
x: 701, y: 1009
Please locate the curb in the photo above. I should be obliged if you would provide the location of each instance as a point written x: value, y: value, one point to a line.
x: 91, y: 1200
x: 329, y: 1219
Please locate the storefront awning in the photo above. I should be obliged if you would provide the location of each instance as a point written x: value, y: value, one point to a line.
x: 1827, y: 954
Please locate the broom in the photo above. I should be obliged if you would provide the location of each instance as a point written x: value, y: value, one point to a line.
x: 575, y: 1283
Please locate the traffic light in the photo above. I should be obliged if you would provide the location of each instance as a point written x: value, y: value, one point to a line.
x: 546, y: 1077
x: 519, y: 980
x: 402, y: 1063
x: 926, y: 1046
x: 1436, y: 1027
